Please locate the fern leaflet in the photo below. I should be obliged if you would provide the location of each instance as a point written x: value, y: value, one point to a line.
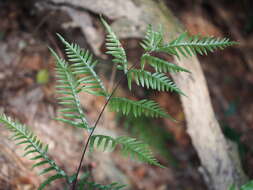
x: 152, y: 40
x: 129, y: 147
x: 156, y: 81
x: 148, y: 108
x: 33, y: 146
x: 161, y: 65
x: 70, y: 87
x: 114, y: 47
x: 192, y: 45
x: 97, y: 186
x: 83, y: 68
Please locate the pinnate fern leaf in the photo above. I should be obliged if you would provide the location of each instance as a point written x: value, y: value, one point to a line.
x: 69, y: 87
x: 97, y: 186
x: 33, y: 146
x: 152, y: 40
x: 148, y: 108
x: 83, y: 68
x: 161, y: 65
x: 155, y: 81
x: 191, y: 45
x: 114, y: 47
x: 129, y: 147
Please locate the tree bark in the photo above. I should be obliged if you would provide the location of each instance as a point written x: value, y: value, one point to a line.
x: 220, y: 162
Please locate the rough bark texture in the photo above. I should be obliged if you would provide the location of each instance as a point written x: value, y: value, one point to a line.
x: 220, y: 164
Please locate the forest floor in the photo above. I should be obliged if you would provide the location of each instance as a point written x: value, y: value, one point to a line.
x: 27, y: 93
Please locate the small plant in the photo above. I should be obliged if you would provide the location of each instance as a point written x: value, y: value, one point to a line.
x: 78, y: 76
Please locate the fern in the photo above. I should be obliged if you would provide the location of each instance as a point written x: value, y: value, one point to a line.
x: 85, y: 183
x: 155, y: 81
x: 129, y: 147
x: 69, y: 87
x: 161, y: 65
x: 83, y: 68
x: 79, y: 76
x: 114, y: 47
x: 97, y: 186
x: 33, y: 146
x: 193, y: 45
x: 152, y: 40
x: 148, y: 108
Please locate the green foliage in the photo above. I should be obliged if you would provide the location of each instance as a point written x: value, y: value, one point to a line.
x: 192, y: 45
x: 153, y: 40
x: 33, y: 146
x: 148, y: 108
x: 69, y: 87
x: 96, y: 186
x: 144, y: 128
x: 155, y: 81
x: 247, y: 186
x: 114, y: 47
x: 129, y: 147
x: 77, y: 74
x: 85, y: 183
x: 161, y: 65
x: 83, y: 68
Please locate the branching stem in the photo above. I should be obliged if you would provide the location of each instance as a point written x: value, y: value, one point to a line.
x: 96, y: 123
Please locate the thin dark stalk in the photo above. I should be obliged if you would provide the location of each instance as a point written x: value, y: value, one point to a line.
x: 93, y: 129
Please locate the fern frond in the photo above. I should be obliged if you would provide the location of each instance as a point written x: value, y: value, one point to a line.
x: 192, y: 45
x: 83, y: 68
x: 152, y: 40
x: 114, y: 47
x: 129, y: 147
x: 69, y: 87
x: 155, y: 81
x: 148, y: 108
x: 161, y: 65
x: 102, y: 141
x: 97, y: 186
x: 33, y: 146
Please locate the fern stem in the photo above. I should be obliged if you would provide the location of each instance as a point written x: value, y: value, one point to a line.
x: 95, y: 126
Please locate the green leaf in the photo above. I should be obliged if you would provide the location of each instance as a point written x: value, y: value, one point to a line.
x: 139, y: 108
x: 232, y: 187
x: 161, y: 65
x: 69, y: 87
x: 114, y: 46
x: 83, y: 68
x: 152, y: 40
x: 129, y: 147
x: 49, y: 181
x: 247, y: 186
x: 156, y: 81
x: 191, y: 45
x: 33, y: 145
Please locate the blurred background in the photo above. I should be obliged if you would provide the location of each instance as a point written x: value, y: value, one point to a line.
x: 27, y: 91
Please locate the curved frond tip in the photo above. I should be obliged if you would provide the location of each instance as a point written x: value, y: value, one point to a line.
x: 187, y: 45
x: 114, y: 46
